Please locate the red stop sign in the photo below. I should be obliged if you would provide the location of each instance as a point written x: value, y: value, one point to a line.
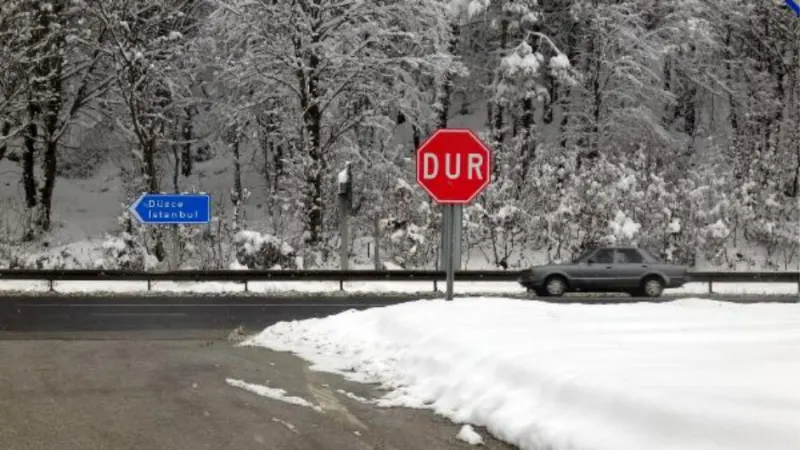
x: 454, y: 166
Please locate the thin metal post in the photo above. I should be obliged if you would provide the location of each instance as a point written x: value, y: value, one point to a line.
x: 176, y: 246
x: 376, y: 226
x: 449, y: 242
x: 344, y: 232
x: 458, y: 218
x: 441, y: 264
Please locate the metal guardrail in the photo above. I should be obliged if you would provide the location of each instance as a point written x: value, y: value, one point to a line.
x: 255, y: 275
x: 743, y: 277
x: 340, y: 275
x: 244, y: 276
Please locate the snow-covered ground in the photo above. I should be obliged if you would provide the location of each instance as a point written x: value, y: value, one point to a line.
x: 689, y: 374
x: 382, y: 287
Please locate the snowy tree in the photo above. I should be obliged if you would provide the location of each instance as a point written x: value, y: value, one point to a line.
x: 147, y: 43
x: 339, y: 65
x: 53, y: 74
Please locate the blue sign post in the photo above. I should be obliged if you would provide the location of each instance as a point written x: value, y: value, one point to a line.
x: 173, y: 209
x: 795, y: 5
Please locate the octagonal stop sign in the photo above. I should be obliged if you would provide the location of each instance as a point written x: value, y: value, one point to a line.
x: 454, y: 166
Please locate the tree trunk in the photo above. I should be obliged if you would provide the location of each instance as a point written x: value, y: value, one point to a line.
x: 238, y: 193
x: 497, y: 109
x: 4, y: 132
x: 176, y: 169
x: 528, y: 144
x: 54, y: 67
x: 446, y: 89
x: 149, y: 171
x: 312, y: 121
x: 186, y: 148
x: 29, y: 156
x: 49, y: 165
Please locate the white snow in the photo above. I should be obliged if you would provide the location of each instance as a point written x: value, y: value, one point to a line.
x: 559, y: 62
x: 522, y: 60
x: 286, y: 424
x: 689, y: 374
x: 718, y: 229
x: 468, y: 435
x: 343, y: 177
x: 272, y: 393
x: 355, y: 397
x: 623, y: 227
x: 253, y: 241
x: 674, y: 226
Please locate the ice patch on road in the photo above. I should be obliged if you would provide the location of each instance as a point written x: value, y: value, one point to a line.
x: 286, y: 424
x: 468, y: 435
x: 690, y: 374
x: 355, y: 397
x: 272, y: 393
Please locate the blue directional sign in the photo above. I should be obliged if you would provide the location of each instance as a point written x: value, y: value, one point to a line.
x: 795, y: 5
x: 172, y: 209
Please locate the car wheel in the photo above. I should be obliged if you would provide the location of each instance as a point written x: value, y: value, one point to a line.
x: 555, y: 286
x: 652, y: 287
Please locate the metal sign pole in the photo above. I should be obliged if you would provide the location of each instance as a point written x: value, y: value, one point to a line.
x: 442, y: 263
x: 458, y: 218
x: 176, y: 248
x: 450, y: 263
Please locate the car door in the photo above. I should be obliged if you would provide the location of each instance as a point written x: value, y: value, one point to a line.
x: 581, y: 272
x: 599, y: 269
x: 628, y: 267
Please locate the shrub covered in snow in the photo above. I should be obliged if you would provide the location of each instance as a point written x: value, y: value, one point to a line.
x: 409, y: 229
x: 61, y: 259
x: 263, y: 251
x: 125, y: 252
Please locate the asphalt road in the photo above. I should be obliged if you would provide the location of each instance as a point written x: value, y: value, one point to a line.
x: 210, y: 317
x: 173, y: 395
x: 206, y: 316
x: 132, y: 372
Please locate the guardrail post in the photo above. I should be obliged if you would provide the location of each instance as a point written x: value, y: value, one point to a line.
x: 50, y: 282
x: 341, y: 285
x: 148, y: 285
x: 435, y: 286
x: 246, y: 289
x: 710, y: 287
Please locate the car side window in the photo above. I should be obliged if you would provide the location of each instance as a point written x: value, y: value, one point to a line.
x: 604, y: 256
x: 629, y: 256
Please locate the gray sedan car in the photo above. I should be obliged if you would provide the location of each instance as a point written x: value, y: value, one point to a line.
x: 607, y: 269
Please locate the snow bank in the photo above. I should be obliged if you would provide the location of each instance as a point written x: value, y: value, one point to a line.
x: 468, y: 435
x: 690, y: 374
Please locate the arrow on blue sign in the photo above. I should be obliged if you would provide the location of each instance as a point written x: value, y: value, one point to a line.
x: 172, y: 209
x: 795, y: 5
